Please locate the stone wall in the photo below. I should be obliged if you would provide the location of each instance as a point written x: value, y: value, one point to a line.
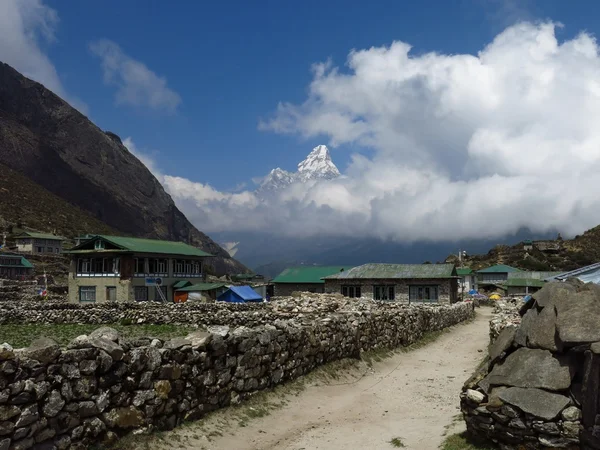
x: 287, y: 289
x: 446, y: 287
x: 17, y: 290
x: 539, y: 387
x: 103, y: 386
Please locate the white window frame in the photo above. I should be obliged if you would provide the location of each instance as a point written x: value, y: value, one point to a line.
x: 87, y: 294
x: 137, y: 296
x: 414, y: 293
x: 384, y: 292
x: 351, y: 290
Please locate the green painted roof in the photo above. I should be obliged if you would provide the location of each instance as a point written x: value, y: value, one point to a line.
x: 31, y: 234
x: 138, y: 245
x: 499, y: 268
x: 390, y: 271
x: 24, y: 261
x: 464, y: 271
x: 181, y: 284
x: 523, y: 282
x: 202, y: 287
x: 307, y: 274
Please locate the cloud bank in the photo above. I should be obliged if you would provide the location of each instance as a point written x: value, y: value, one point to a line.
x: 136, y: 84
x: 464, y: 146
x: 25, y: 26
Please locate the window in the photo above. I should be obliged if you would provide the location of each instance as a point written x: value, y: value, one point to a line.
x: 157, y: 266
x: 99, y: 245
x: 50, y: 250
x: 141, y: 293
x: 384, y: 292
x: 83, y: 265
x: 87, y: 294
x: 111, y: 294
x: 351, y: 291
x: 57, y: 250
x: 178, y: 266
x: 40, y: 249
x: 158, y: 290
x: 140, y: 266
x: 423, y: 293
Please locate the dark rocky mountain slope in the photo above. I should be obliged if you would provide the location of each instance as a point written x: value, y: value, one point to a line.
x: 43, y: 138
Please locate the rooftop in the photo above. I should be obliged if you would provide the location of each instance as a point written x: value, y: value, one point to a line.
x: 201, y: 287
x: 35, y: 235
x: 389, y: 271
x: 464, y: 271
x: 307, y: 274
x: 499, y: 268
x: 24, y: 263
x: 138, y: 245
x: 523, y: 282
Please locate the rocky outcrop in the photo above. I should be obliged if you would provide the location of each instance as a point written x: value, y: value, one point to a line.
x: 539, y: 387
x: 103, y: 386
x: 57, y: 147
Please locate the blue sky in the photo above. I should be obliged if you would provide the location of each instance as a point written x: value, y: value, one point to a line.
x: 231, y: 62
x: 495, y: 99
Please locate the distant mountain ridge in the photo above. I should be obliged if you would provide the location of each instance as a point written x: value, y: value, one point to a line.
x: 56, y: 147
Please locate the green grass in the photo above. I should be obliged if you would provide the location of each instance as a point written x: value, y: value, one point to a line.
x: 22, y: 335
x: 397, y: 442
x: 461, y: 442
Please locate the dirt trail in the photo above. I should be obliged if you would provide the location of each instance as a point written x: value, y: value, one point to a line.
x: 411, y: 396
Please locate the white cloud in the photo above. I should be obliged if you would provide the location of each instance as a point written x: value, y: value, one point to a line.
x: 25, y: 26
x: 136, y: 84
x: 464, y: 146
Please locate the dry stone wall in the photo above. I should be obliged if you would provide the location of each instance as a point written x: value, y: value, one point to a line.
x: 539, y: 387
x: 103, y: 386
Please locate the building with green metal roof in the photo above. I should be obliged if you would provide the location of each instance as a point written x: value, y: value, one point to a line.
x: 38, y: 243
x: 408, y: 283
x: 467, y: 281
x: 14, y: 266
x: 304, y: 279
x: 490, y: 277
x: 117, y: 268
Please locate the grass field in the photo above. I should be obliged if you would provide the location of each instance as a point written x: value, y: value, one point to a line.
x: 22, y: 335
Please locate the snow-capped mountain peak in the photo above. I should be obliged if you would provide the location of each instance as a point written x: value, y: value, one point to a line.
x: 317, y: 166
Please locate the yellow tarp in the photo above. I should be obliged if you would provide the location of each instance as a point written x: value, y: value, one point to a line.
x: 495, y: 297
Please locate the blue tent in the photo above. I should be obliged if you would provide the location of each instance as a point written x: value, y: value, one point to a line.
x: 473, y: 292
x: 239, y: 294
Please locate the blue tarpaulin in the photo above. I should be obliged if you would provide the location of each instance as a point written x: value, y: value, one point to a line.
x: 239, y: 294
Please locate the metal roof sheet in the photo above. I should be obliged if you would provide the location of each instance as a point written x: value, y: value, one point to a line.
x: 464, y: 271
x: 578, y: 273
x: 499, y: 268
x: 34, y: 235
x: 24, y: 262
x: 138, y: 245
x: 523, y: 282
x: 307, y: 274
x: 389, y: 271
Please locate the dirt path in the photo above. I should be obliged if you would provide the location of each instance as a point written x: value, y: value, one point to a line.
x: 411, y: 396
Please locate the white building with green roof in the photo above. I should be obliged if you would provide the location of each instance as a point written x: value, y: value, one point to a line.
x: 38, y: 243
x: 118, y: 269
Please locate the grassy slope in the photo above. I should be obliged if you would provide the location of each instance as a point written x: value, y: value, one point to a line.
x: 24, y: 202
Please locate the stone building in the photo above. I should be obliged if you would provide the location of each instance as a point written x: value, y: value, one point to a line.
x: 493, y: 277
x: 114, y: 268
x: 14, y: 266
x: 407, y: 283
x: 304, y: 279
x: 467, y: 279
x: 38, y: 243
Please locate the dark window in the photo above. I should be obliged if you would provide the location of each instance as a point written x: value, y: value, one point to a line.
x: 140, y: 265
x: 141, y: 293
x: 384, y: 293
x: 87, y: 294
x: 111, y: 294
x: 351, y: 291
x: 423, y: 293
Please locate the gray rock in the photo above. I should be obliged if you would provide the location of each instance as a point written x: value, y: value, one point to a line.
x: 541, y: 330
x: 28, y: 416
x: 70, y: 371
x: 536, y: 402
x: 23, y: 444
x: 44, y: 435
x: 105, y: 332
x: 571, y: 429
x: 547, y: 428
x: 8, y: 412
x: 87, y: 409
x: 532, y: 368
x: 475, y: 396
x: 219, y: 330
x: 553, y: 442
x: 88, y: 367
x: 177, y: 343
x: 6, y: 352
x: 6, y: 428
x: 54, y: 404
x: 571, y: 414
x: 554, y: 293
x: 44, y: 350
x: 115, y: 351
x: 102, y: 401
x: 521, y: 334
x: 63, y: 442
x: 4, y: 444
x: 502, y: 343
x: 130, y: 417
x: 577, y: 319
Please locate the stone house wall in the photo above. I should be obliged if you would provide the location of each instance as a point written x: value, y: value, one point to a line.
x: 445, y: 294
x: 286, y: 289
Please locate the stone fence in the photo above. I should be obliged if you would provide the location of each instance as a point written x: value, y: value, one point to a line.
x: 539, y: 387
x: 103, y: 386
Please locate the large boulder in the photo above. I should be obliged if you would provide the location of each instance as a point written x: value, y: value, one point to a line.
x: 105, y: 332
x: 554, y: 293
x: 44, y: 350
x: 532, y: 368
x: 538, y: 329
x: 537, y: 402
x: 578, y: 318
x: 502, y: 343
x: 124, y: 417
